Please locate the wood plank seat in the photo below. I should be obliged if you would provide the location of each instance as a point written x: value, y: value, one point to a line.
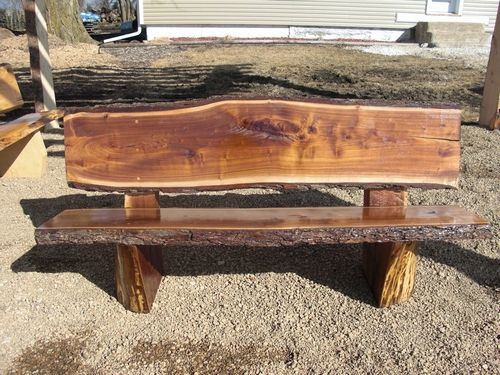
x: 384, y: 148
x: 261, y: 226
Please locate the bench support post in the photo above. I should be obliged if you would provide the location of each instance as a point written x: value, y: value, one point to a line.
x: 138, y: 269
x: 24, y: 158
x: 389, y: 267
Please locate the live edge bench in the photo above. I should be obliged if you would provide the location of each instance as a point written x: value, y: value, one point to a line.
x: 264, y: 143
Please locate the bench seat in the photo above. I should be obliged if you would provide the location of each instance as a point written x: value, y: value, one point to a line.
x: 261, y: 226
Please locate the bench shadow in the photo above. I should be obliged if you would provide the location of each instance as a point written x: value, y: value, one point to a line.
x: 480, y: 268
x: 55, y: 154
x: 53, y: 142
x: 336, y: 266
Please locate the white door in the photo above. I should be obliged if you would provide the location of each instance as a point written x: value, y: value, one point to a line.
x: 442, y: 6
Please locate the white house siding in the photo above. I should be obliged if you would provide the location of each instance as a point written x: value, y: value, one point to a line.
x: 328, y: 13
x: 364, y: 14
x: 486, y: 8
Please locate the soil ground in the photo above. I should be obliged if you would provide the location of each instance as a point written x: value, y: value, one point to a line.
x: 303, y: 310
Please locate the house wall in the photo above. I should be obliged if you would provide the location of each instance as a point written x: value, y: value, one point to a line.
x: 482, y: 8
x: 329, y: 13
x: 300, y: 18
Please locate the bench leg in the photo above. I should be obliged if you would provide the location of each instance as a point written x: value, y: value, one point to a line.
x: 390, y: 270
x: 389, y: 267
x: 137, y: 276
x: 138, y: 269
x: 25, y: 158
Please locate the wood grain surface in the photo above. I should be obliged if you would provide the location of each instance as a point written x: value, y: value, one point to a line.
x: 263, y: 142
x: 261, y: 226
x: 10, y: 95
x: 389, y: 267
x: 16, y: 130
x: 138, y: 269
x: 24, y: 158
x: 490, y: 102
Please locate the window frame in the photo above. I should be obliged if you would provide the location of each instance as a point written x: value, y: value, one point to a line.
x: 458, y: 10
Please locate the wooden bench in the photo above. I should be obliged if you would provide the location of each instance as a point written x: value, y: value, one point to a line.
x: 264, y: 143
x: 22, y: 151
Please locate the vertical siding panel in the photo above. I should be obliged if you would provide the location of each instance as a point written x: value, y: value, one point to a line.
x: 343, y: 13
x: 332, y: 13
x: 482, y: 8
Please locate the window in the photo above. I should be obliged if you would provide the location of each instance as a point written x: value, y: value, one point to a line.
x: 444, y: 7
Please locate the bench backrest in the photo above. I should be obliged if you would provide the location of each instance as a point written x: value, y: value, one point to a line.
x: 236, y: 143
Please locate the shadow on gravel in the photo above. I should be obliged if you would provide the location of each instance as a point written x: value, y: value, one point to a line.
x: 337, y: 267
x: 482, y: 269
x: 55, y: 154
x: 101, y: 84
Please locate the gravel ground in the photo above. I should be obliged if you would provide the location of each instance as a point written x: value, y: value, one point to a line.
x: 301, y: 310
x: 470, y: 56
x: 304, y: 310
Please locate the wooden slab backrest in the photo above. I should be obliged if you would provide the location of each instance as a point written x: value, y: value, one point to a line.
x: 235, y: 143
x: 10, y: 95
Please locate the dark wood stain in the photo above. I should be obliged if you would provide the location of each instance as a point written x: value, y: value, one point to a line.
x: 271, y: 129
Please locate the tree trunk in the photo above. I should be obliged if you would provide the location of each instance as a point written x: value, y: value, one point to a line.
x: 126, y: 10
x: 63, y: 20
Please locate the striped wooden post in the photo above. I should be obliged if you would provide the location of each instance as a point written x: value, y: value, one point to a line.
x: 41, y: 70
x: 490, y: 105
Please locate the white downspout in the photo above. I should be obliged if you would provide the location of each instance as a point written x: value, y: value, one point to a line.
x: 140, y: 21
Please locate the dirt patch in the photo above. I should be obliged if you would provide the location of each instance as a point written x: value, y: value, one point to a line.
x: 335, y: 71
x: 158, y: 73
x: 53, y: 357
x: 203, y: 358
x: 73, y: 356
x: 63, y: 55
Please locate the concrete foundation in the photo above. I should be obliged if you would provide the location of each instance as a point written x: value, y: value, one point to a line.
x: 448, y: 34
x: 278, y: 32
